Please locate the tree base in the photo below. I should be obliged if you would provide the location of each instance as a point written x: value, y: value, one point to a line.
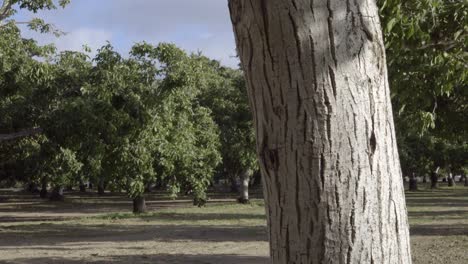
x: 82, y: 188
x: 451, y: 182
x: 413, y: 185
x: 32, y: 188
x: 101, y: 190
x: 43, y: 194
x: 242, y: 200
x: 139, y: 205
x: 200, y: 202
x: 57, y: 196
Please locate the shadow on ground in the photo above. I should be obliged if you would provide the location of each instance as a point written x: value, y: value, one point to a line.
x: 59, y: 234
x: 439, y: 230
x: 158, y: 259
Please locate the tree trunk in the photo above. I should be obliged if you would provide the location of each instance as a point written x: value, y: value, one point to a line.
x: 257, y: 178
x: 244, y: 190
x: 148, y: 187
x: 434, y: 180
x: 424, y: 178
x: 57, y: 194
x: 318, y: 90
x: 139, y: 205
x: 82, y: 187
x: 23, y: 133
x: 100, y: 187
x: 33, y: 188
x: 43, y: 193
x: 413, y: 183
x: 233, y: 181
x: 466, y: 180
x: 450, y: 180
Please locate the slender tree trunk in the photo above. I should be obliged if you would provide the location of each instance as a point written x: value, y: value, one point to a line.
x: 434, y: 180
x: 100, y: 187
x: 244, y: 190
x: 82, y: 187
x: 43, y: 193
x: 450, y: 180
x: 413, y: 183
x: 149, y: 187
x: 57, y: 194
x: 318, y: 89
x: 257, y: 178
x: 233, y: 181
x: 466, y: 180
x: 139, y: 205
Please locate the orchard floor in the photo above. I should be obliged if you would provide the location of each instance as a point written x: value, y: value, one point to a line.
x: 91, y: 229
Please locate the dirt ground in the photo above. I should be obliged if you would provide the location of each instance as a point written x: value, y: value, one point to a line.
x: 91, y: 229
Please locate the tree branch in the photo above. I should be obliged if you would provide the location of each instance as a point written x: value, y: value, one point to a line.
x: 23, y: 133
x: 4, y: 10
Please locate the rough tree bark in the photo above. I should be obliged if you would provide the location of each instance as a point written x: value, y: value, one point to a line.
x: 318, y: 89
x: 139, y: 205
x: 244, y: 188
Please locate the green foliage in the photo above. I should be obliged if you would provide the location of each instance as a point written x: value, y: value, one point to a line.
x: 126, y: 121
x: 63, y: 167
x: 226, y: 95
x: 7, y: 10
x: 426, y: 44
x: 186, y: 137
x: 426, y: 49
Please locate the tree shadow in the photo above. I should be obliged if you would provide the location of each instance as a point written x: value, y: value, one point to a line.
x: 205, y: 216
x: 453, y: 213
x: 154, y: 258
x: 439, y: 230
x: 58, y: 234
x: 18, y: 206
x: 437, y: 202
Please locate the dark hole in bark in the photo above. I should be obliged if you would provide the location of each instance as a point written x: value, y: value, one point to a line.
x: 273, y: 158
x: 373, y: 142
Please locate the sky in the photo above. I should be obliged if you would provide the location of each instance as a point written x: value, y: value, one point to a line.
x: 194, y: 25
